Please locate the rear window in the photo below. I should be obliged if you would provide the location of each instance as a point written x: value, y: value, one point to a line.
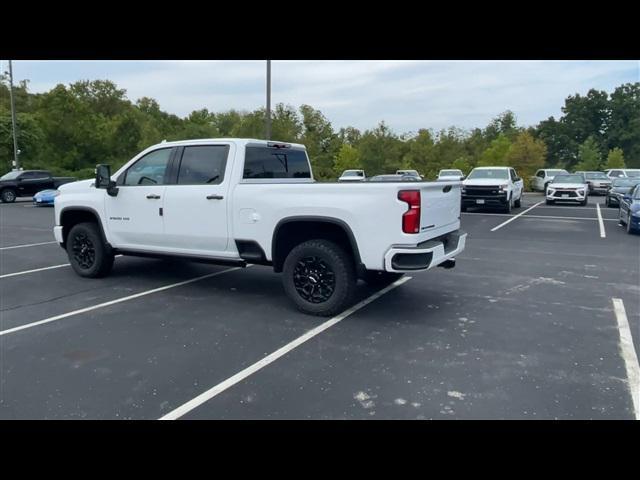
x: 271, y: 162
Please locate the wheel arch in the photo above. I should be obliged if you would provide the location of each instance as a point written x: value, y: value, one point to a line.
x: 70, y: 216
x: 292, y: 231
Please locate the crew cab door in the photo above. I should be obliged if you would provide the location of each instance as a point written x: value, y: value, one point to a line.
x: 134, y: 215
x: 195, y: 205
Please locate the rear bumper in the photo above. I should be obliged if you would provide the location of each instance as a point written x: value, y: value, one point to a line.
x: 426, y: 255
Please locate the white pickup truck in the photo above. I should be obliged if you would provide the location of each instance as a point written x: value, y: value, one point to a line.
x: 244, y: 201
x: 492, y: 187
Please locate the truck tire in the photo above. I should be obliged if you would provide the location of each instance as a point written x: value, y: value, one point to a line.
x: 89, y: 256
x: 319, y: 277
x: 507, y: 208
x: 8, y: 195
x: 376, y: 278
x: 518, y: 201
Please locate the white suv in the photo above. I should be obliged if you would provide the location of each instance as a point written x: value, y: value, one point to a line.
x: 543, y: 177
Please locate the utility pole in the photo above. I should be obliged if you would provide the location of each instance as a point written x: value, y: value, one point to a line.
x: 268, y: 99
x: 16, y: 163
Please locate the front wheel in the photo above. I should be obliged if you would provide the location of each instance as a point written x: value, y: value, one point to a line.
x: 518, y: 202
x: 509, y: 206
x: 319, y: 277
x: 376, y: 278
x: 89, y: 256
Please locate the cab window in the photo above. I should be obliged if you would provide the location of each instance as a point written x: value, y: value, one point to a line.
x: 540, y: 174
x: 149, y: 170
x: 203, y: 165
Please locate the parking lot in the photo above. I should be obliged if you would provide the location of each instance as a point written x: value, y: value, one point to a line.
x: 525, y: 327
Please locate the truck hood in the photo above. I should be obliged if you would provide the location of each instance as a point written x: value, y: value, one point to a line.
x: 72, y: 186
x: 484, y: 181
x: 567, y: 185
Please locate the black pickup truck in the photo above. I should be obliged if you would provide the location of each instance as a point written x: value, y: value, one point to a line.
x: 26, y: 183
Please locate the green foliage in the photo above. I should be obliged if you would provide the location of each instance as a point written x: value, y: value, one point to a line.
x: 462, y: 163
x: 527, y: 155
x: 496, y: 154
x: 615, y: 159
x: 348, y: 158
x: 71, y: 128
x: 589, y: 157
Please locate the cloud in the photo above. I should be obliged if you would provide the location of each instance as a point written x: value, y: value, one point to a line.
x: 408, y: 95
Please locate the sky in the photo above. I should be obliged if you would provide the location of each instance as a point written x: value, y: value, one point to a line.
x: 407, y: 95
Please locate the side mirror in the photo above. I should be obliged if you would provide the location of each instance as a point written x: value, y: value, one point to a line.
x: 103, y: 180
x: 626, y: 198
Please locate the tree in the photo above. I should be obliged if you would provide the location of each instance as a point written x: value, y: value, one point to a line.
x: 348, y: 158
x: 527, y: 155
x: 462, y: 163
x: 615, y: 159
x: 420, y: 154
x: 496, y: 154
x: 624, y: 122
x: 589, y: 156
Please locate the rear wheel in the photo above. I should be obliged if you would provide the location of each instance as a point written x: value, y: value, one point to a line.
x: 376, y: 278
x: 8, y: 195
x: 630, y: 229
x: 319, y: 277
x: 89, y: 256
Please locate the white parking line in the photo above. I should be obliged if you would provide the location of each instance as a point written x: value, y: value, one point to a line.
x: 628, y: 352
x: 113, y: 302
x: 6, y: 275
x: 552, y: 217
x: 27, y: 245
x: 512, y: 219
x: 250, y: 370
x: 601, y: 223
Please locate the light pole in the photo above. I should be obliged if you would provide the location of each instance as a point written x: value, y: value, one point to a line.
x: 16, y: 163
x: 268, y: 126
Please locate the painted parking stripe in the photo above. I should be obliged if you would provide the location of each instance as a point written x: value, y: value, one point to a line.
x: 113, y: 302
x: 551, y: 217
x: 250, y: 370
x: 628, y: 352
x: 601, y: 223
x: 27, y: 245
x: 6, y: 275
x: 512, y: 219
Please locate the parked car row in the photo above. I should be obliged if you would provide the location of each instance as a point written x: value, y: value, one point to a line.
x: 26, y: 183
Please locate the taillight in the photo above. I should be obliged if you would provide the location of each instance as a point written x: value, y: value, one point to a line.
x: 411, y: 218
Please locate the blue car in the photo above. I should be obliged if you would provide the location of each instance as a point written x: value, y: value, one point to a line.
x: 630, y: 210
x: 45, y: 197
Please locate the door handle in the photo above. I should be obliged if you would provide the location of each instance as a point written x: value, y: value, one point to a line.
x: 153, y: 196
x: 214, y: 197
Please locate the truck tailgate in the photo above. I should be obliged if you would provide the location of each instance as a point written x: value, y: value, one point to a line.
x: 440, y: 207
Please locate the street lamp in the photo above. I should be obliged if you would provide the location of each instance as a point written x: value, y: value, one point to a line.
x: 268, y: 126
x: 16, y: 152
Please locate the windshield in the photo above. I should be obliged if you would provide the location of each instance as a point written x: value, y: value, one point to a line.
x: 596, y: 176
x: 450, y: 173
x: 497, y: 173
x: 10, y: 176
x: 633, y: 173
x: 352, y: 173
x: 568, y: 179
x: 625, y: 182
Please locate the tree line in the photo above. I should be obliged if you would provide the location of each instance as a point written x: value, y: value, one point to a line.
x: 71, y: 128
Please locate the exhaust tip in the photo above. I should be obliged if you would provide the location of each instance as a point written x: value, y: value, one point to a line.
x: 448, y: 264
